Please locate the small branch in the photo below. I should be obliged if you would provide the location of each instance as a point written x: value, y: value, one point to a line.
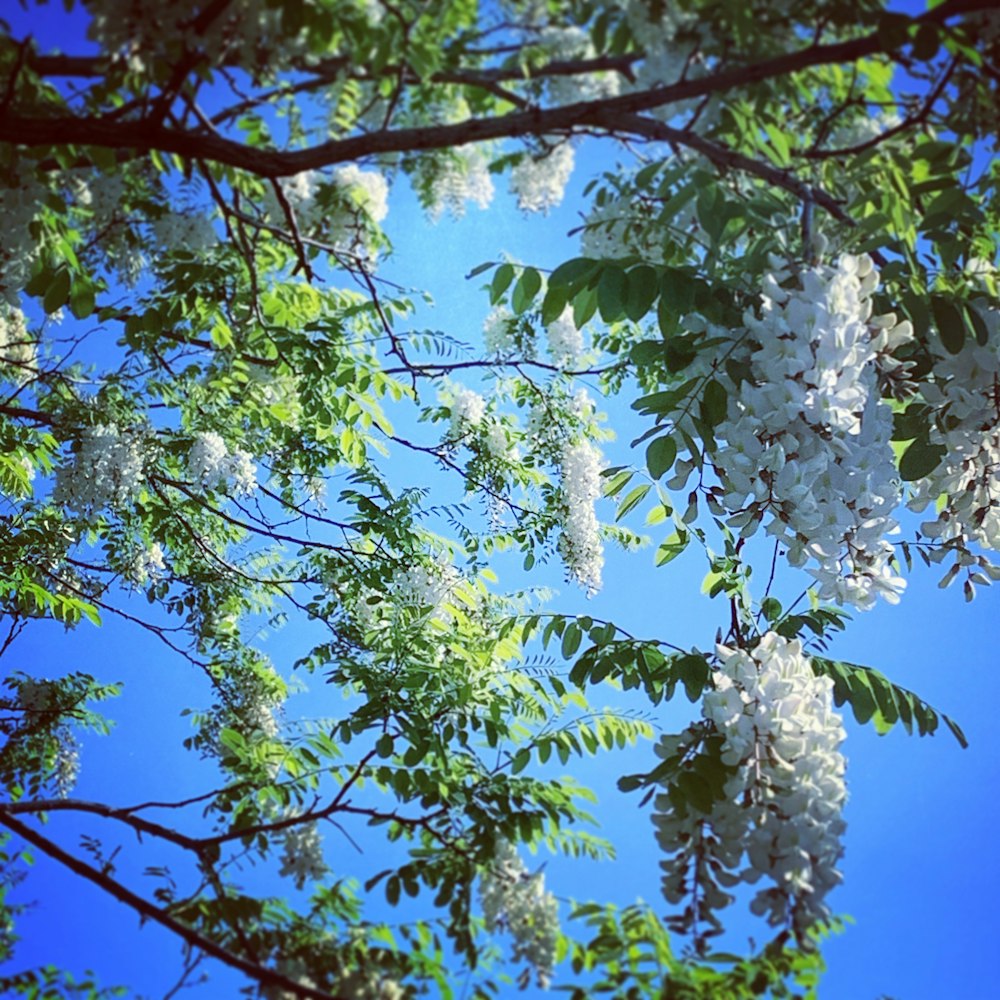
x: 259, y: 973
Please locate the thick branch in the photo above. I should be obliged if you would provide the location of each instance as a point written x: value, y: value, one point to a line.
x: 144, y: 136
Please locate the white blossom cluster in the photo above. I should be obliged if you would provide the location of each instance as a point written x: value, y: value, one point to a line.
x: 807, y: 435
x: 540, y: 184
x: 426, y: 588
x: 460, y: 176
x: 20, y: 196
x: 302, y: 854
x: 565, y: 341
x: 35, y: 697
x: 468, y: 409
x: 614, y: 229
x: 498, y: 332
x: 358, y: 984
x: 567, y: 43
x: 780, y: 816
x: 213, y: 466
x: 580, y: 543
x: 516, y: 901
x: 106, y: 470
x: 193, y: 232
x: 147, y: 565
x: 17, y: 347
x: 346, y: 217
x: 966, y: 391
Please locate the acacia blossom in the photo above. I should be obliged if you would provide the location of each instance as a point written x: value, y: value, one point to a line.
x: 518, y: 902
x: 779, y: 816
x: 106, y: 470
x: 807, y: 435
x: 212, y: 465
x: 540, y: 184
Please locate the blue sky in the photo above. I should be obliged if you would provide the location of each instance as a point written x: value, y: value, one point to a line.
x: 921, y: 875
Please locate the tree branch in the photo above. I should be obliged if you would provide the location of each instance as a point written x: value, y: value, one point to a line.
x: 259, y: 973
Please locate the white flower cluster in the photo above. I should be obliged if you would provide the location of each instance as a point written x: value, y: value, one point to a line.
x: 571, y: 42
x: 147, y: 565
x: 580, y: 543
x: 467, y: 411
x: 541, y: 183
x: 17, y: 347
x: 106, y: 471
x: 193, y: 232
x: 20, y: 196
x: 498, y: 332
x: 212, y: 465
x: 616, y: 228
x: 518, y: 902
x: 302, y: 856
x: 359, y: 202
x: 807, y: 435
x: 782, y: 806
x: 454, y: 179
x: 426, y: 588
x: 36, y: 697
x: 966, y: 391
x: 565, y: 341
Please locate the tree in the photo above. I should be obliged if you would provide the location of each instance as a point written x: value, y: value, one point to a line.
x: 791, y: 280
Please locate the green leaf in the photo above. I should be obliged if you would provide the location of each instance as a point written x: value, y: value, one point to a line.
x: 57, y: 294
x: 501, y: 280
x: 660, y: 456
x: 642, y: 288
x: 479, y: 268
x: 949, y: 322
x: 527, y: 287
x: 611, y: 291
x: 714, y: 403
x: 632, y: 499
x: 574, y: 272
x: 571, y: 640
x: 920, y: 459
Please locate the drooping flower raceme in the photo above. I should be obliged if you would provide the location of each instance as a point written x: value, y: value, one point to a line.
x: 541, y: 183
x: 302, y: 857
x: 17, y: 347
x: 807, y: 434
x: 580, y: 543
x: 779, y: 816
x: 516, y: 901
x: 212, y: 465
x: 565, y: 341
x: 105, y: 471
x: 467, y: 411
x: 966, y: 387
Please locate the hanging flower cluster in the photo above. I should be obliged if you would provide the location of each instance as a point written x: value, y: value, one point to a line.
x: 966, y: 390
x: 580, y: 543
x: 540, y: 184
x: 18, y: 351
x: 213, y: 466
x: 565, y: 341
x: 106, y: 471
x: 516, y: 901
x: 807, y: 433
x: 780, y: 813
x: 302, y: 857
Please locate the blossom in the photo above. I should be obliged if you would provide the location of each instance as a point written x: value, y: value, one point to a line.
x: 147, y: 564
x: 17, y: 346
x: 302, y: 856
x: 540, y: 183
x: 211, y: 464
x: 106, y: 470
x: 805, y: 443
x: 779, y: 816
x: 516, y: 901
x: 498, y: 331
x: 565, y: 340
x: 580, y: 542
x: 467, y: 411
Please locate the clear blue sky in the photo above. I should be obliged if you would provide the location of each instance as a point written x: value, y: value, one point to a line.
x: 922, y: 875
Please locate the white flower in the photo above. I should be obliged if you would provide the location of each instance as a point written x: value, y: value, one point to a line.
x: 212, y: 465
x: 516, y: 901
x: 540, y: 183
x: 467, y: 411
x: 498, y: 331
x: 302, y: 857
x: 565, y: 340
x: 147, y: 564
x: 17, y: 346
x: 580, y: 543
x: 105, y: 471
x: 780, y: 814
